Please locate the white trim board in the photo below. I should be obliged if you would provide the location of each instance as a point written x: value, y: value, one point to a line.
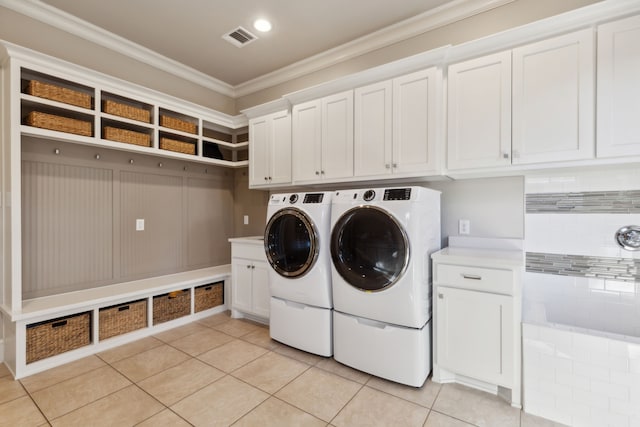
x: 438, y: 17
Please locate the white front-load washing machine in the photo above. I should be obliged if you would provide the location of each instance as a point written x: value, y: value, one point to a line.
x: 381, y: 242
x: 296, y: 242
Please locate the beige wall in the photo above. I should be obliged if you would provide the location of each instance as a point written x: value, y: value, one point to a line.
x: 33, y: 34
x: 249, y: 202
x: 79, y: 216
x: 511, y: 15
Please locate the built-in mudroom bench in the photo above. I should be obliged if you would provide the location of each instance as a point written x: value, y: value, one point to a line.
x: 57, y: 329
x: 117, y: 206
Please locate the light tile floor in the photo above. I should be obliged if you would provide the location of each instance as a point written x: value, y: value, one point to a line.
x: 221, y: 371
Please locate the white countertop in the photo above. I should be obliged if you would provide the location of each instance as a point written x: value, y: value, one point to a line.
x: 252, y: 240
x: 480, y: 257
x: 482, y: 252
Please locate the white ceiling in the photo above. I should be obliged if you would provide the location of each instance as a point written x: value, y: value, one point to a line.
x: 189, y: 31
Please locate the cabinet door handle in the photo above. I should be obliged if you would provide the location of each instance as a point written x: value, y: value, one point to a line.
x: 440, y: 296
x: 321, y: 172
x: 505, y: 155
x: 248, y: 266
x: 388, y: 166
x: 253, y: 267
x: 471, y: 276
x: 317, y: 173
x: 395, y: 165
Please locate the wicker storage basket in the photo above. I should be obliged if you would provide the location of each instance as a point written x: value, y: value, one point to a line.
x: 60, y: 94
x: 46, y: 339
x: 177, y: 124
x: 127, y: 136
x: 171, y: 306
x: 123, y: 318
x: 59, y: 123
x: 127, y: 111
x: 177, y: 146
x: 208, y: 296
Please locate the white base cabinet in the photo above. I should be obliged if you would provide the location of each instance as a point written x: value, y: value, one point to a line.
x: 477, y: 318
x: 250, y: 296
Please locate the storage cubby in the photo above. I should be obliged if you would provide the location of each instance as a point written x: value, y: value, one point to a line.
x: 178, y: 143
x: 56, y: 336
x: 56, y: 119
x: 171, y: 306
x: 56, y: 89
x: 180, y: 122
x: 122, y: 318
x: 127, y: 133
x: 208, y: 296
x: 120, y: 106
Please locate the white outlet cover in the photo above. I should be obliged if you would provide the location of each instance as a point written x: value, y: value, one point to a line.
x: 139, y: 224
x: 464, y: 226
x: 246, y: 220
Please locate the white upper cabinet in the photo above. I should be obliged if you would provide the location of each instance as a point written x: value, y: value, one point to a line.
x: 534, y: 104
x: 395, y: 126
x: 270, y: 149
x: 479, y: 112
x: 323, y: 138
x: 618, y: 114
x: 553, y: 99
x: 415, y: 122
x: 372, y: 128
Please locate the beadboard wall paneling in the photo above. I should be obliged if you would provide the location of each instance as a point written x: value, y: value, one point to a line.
x: 80, y: 212
x: 67, y: 226
x: 157, y: 199
x: 210, y: 218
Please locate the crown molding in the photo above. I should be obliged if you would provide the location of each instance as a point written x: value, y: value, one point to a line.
x: 438, y: 17
x: 64, y: 21
x: 443, y: 15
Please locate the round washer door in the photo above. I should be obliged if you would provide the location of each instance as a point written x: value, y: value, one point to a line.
x: 369, y: 248
x: 291, y: 242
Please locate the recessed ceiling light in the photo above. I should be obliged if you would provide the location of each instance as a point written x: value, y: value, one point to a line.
x: 262, y: 25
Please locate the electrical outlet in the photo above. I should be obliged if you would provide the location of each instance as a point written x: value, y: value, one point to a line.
x: 139, y: 224
x: 246, y: 220
x: 464, y: 226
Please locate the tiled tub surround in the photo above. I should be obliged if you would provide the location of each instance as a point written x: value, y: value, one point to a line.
x: 581, y: 299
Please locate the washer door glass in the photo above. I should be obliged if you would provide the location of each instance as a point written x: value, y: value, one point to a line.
x: 291, y: 242
x: 369, y: 248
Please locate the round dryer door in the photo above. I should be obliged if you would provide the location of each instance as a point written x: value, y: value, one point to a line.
x: 369, y: 248
x: 291, y: 242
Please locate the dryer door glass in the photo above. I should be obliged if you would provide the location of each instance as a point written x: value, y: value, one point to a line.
x: 369, y: 248
x: 291, y: 242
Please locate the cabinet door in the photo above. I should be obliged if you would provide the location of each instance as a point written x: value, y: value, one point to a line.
x: 241, y: 285
x: 619, y: 88
x: 259, y: 151
x: 280, y: 155
x: 337, y: 136
x: 553, y: 99
x: 372, y: 130
x: 261, y: 295
x: 307, y: 141
x: 479, y: 112
x: 415, y: 122
x: 473, y: 334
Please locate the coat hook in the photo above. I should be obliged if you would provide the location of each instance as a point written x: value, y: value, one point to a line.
x: 184, y: 168
x: 131, y: 161
x: 56, y: 151
x: 160, y: 164
x: 97, y: 156
x: 206, y: 171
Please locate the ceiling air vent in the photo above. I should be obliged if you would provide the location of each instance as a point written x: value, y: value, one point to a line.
x: 239, y: 37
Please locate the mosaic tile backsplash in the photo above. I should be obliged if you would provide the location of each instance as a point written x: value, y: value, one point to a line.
x: 614, y: 202
x: 623, y: 269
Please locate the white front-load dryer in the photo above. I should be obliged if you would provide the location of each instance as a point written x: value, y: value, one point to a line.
x: 381, y: 242
x: 296, y: 242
